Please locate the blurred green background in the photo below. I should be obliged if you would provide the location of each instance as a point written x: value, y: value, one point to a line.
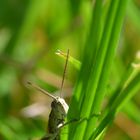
x: 31, y: 31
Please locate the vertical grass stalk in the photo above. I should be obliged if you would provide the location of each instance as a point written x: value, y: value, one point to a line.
x: 92, y: 93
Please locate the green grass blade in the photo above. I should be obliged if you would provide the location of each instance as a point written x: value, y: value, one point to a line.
x: 96, y: 70
x: 118, y: 104
x: 107, y: 65
x: 89, y: 55
x: 72, y: 60
x: 132, y: 111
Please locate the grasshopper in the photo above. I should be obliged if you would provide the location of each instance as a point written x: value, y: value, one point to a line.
x: 59, y: 109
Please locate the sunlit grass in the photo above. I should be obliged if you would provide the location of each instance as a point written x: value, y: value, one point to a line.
x: 102, y: 65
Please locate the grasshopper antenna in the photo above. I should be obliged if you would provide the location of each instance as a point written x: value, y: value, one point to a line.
x: 64, y: 73
x: 40, y: 89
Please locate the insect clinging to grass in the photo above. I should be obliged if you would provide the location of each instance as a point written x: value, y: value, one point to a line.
x: 59, y: 109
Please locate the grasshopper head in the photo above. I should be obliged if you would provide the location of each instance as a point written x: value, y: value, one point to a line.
x: 60, y: 105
